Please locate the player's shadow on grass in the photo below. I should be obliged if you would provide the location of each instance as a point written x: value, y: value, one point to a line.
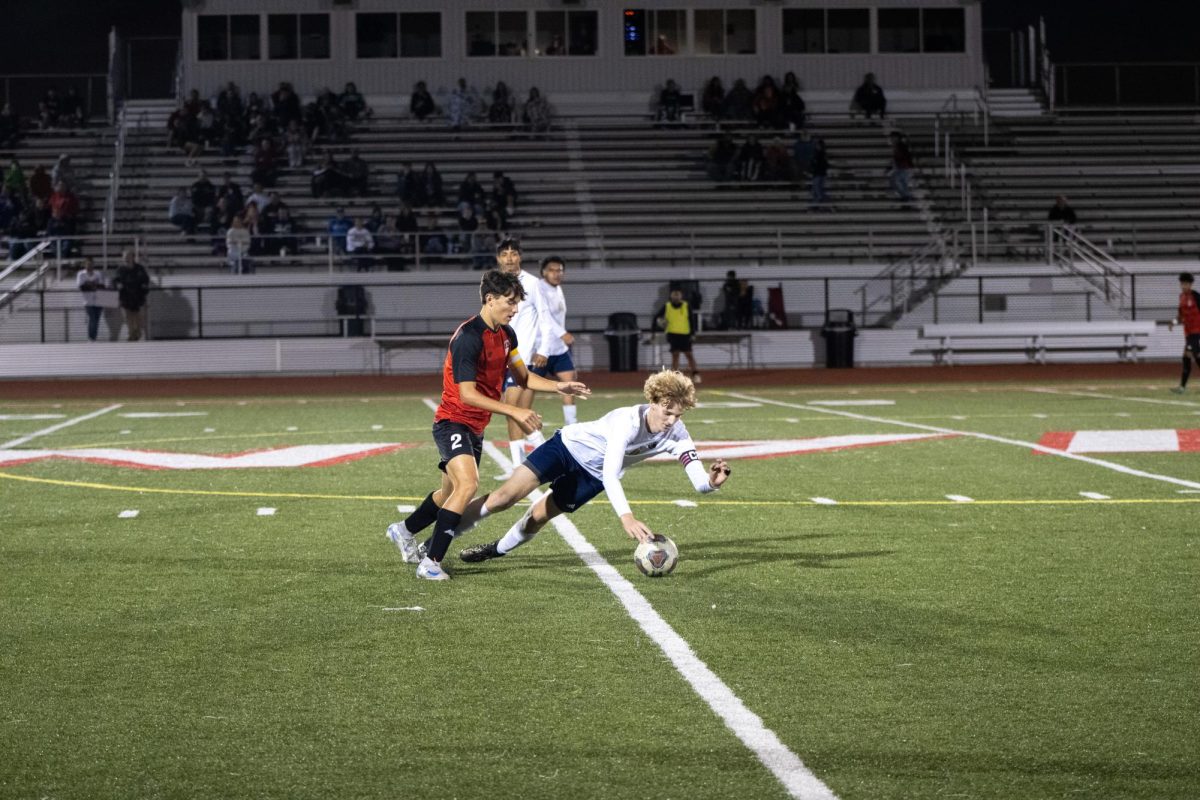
x: 706, y: 558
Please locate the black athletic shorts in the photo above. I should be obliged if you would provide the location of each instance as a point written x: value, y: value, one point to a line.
x: 454, y: 439
x: 1193, y: 343
x: 680, y: 342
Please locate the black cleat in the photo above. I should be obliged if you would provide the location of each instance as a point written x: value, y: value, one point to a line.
x: 480, y: 552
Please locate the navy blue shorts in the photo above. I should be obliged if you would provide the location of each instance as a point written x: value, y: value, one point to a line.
x: 509, y: 381
x: 555, y: 365
x: 571, y: 485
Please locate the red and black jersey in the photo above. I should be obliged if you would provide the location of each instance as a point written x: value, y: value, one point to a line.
x: 477, y: 353
x: 1189, y: 312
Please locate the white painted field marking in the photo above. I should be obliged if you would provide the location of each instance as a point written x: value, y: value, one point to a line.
x: 1188, y: 491
x: 792, y: 420
x: 786, y: 766
x: 125, y: 432
x: 161, y: 414
x: 376, y: 427
x: 728, y: 405
x: 960, y: 498
x: 406, y: 509
x: 1097, y: 395
x: 958, y: 417
x: 54, y: 428
x: 128, y: 513
x: 686, y: 503
x: 405, y: 608
x: 292, y: 428
x: 210, y: 430
x: 29, y: 417
x: 1041, y: 416
x: 1094, y: 496
x: 990, y: 438
x: 851, y: 402
x: 266, y: 512
x: 823, y: 501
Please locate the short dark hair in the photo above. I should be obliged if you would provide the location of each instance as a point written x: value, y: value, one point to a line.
x: 501, y: 284
x: 508, y: 243
x: 1186, y: 277
x: 548, y: 260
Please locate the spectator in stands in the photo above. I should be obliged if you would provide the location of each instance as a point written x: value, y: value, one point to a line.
x: 431, y: 186
x: 766, y: 103
x: 132, y: 283
x: 869, y: 98
x: 901, y: 167
x: 461, y: 105
x: 328, y: 118
x: 10, y: 126
x: 209, y: 125
x: 63, y: 172
x: 70, y: 109
x: 713, y: 100
x: 264, y: 172
x: 777, y: 162
x: 182, y: 213
x: 339, y: 224
x: 745, y: 305
x: 40, y: 185
x: 818, y: 170
x: 375, y: 219
x: 421, y: 104
x: 295, y: 143
x: 468, y: 223
x: 286, y: 231
x: 536, y: 112
x: 739, y: 103
x: 269, y: 210
x: 388, y: 242
x: 9, y: 209
x: 327, y: 178
x: 259, y: 197
x: 721, y: 158
x: 500, y: 110
x: 48, y: 109
x: 232, y: 194
x: 185, y: 134
x: 408, y: 227
x: 237, y: 247
x: 89, y: 280
x: 203, y: 196
x: 285, y: 105
x: 358, y: 174
x: 470, y: 193
x: 802, y: 151
x: 504, y: 192
x: 670, y: 100
x: 1061, y: 212
x: 409, y: 187
x: 750, y: 159
x: 791, y: 104
x: 730, y: 290
x: 360, y: 242
x: 21, y: 232
x: 229, y: 102
x: 352, y: 103
x: 14, y: 181
x: 251, y: 218
x: 254, y: 107
x: 262, y: 129
x: 64, y: 214
x: 191, y: 105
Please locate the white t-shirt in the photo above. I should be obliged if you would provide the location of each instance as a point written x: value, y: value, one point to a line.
x: 606, y: 447
x: 96, y: 278
x: 553, y: 321
x: 526, y: 321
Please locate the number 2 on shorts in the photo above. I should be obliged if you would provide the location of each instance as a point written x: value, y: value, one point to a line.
x: 455, y: 441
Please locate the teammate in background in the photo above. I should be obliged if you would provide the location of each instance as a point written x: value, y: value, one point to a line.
x: 554, y: 343
x: 472, y: 377
x: 527, y: 324
x: 676, y: 318
x: 587, y: 458
x: 1189, y: 317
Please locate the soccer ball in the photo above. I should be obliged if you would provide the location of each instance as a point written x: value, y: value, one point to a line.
x: 656, y: 557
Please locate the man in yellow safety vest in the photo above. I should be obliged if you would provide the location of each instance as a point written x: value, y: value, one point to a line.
x: 676, y: 318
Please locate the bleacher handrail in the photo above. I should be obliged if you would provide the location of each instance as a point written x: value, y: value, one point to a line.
x: 1074, y: 252
x: 34, y: 254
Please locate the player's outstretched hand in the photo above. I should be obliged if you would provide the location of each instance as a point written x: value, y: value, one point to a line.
x: 528, y: 420
x: 636, y: 528
x: 718, y: 472
x: 574, y: 389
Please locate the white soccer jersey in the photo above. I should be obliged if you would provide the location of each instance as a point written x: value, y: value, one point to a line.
x: 606, y: 447
x: 526, y: 322
x: 553, y: 321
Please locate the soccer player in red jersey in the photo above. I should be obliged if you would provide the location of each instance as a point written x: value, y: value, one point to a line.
x: 1189, y: 317
x: 480, y: 351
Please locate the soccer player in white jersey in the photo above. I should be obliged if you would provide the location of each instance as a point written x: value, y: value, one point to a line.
x: 527, y: 325
x: 587, y: 458
x: 555, y: 340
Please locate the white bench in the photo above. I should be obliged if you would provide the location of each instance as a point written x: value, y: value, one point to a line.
x: 1035, y: 339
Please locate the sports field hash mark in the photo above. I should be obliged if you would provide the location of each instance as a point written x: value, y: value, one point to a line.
x: 1094, y: 496
x: 128, y: 513
x: 266, y: 512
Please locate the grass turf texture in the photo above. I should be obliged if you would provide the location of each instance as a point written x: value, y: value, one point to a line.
x: 1027, y: 649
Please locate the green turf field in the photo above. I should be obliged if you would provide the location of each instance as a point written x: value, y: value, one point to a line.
x: 953, y: 616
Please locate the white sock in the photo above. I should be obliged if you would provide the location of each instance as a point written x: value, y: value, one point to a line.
x: 515, y: 537
x: 517, y: 450
x: 570, y: 414
x: 535, y: 439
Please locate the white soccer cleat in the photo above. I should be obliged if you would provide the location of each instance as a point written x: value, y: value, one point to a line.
x: 405, y: 541
x: 431, y: 570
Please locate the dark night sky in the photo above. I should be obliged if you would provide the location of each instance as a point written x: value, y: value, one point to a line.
x: 1079, y: 30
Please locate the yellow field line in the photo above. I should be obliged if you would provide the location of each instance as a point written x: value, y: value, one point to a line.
x: 759, y: 503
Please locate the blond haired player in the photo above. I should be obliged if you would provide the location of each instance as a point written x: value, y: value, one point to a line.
x: 587, y: 458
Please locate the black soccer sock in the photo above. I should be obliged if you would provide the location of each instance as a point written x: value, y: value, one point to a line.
x: 423, y: 517
x: 1187, y: 370
x: 447, y: 522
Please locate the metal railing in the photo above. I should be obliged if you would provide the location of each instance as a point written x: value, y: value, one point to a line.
x: 1071, y: 251
x: 32, y: 258
x: 114, y: 180
x: 905, y: 284
x: 975, y: 106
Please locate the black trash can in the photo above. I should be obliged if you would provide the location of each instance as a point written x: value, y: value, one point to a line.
x: 622, y: 335
x: 839, y: 332
x: 352, y: 302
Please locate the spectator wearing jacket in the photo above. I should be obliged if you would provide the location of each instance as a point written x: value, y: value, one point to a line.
x: 132, y: 283
x: 182, y: 213
x: 360, y: 242
x: 869, y: 98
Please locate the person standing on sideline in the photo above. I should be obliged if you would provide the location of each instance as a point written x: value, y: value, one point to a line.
x: 472, y: 376
x: 527, y: 324
x: 554, y: 360
x: 676, y: 319
x: 132, y: 283
x: 1189, y: 318
x: 89, y: 281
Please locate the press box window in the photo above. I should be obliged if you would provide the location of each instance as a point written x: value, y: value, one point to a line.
x: 497, y: 33
x: 565, y: 33
x: 234, y: 37
x: 661, y: 32
x: 925, y: 30
x: 413, y: 35
x: 835, y: 30
x: 725, y: 32
x: 292, y: 36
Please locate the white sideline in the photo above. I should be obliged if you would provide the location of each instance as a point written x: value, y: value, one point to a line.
x: 59, y: 426
x: 787, y: 767
x: 1097, y: 395
x: 1137, y: 473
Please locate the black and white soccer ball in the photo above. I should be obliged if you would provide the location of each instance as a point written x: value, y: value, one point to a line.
x: 656, y: 557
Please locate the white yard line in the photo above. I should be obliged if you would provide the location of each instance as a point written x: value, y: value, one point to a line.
x: 59, y: 426
x: 960, y: 498
x: 1099, y: 396
x: 1094, y: 496
x: 986, y: 437
x: 797, y: 779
